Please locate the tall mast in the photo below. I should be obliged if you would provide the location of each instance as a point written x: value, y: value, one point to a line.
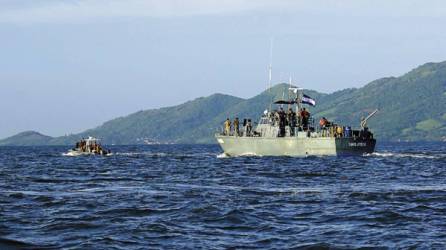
x: 300, y: 92
x: 289, y: 89
x: 270, y: 68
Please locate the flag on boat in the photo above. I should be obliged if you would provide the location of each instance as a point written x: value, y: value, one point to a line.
x: 308, y: 100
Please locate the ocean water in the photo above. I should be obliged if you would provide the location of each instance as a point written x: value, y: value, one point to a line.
x: 187, y: 197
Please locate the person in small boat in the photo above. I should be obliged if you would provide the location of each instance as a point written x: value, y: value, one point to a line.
x: 82, y: 145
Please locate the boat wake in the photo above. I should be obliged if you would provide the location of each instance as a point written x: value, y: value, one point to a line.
x: 404, y: 155
x: 74, y: 154
x: 70, y: 154
x: 224, y: 155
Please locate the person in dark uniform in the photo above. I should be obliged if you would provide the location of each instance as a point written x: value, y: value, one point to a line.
x: 305, y: 118
x: 248, y: 128
x: 291, y: 117
x: 282, y: 122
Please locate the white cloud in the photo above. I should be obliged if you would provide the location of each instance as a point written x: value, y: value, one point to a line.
x: 21, y: 11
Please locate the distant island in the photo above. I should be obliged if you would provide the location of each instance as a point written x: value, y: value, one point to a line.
x: 412, y: 107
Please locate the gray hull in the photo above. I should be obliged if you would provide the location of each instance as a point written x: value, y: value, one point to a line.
x: 295, y: 146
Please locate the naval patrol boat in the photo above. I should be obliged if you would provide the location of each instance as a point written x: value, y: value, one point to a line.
x: 278, y: 135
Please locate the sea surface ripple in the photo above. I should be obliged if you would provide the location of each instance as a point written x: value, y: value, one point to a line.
x: 185, y: 197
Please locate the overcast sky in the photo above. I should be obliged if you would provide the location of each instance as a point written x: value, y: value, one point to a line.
x: 69, y: 65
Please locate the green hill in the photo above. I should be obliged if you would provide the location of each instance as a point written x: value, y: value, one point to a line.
x: 178, y: 124
x: 27, y: 138
x: 412, y: 107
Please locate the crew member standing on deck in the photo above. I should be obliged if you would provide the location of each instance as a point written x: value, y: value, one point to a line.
x: 248, y: 128
x: 282, y: 122
x: 323, y: 122
x: 227, y: 126
x: 305, y: 118
x: 236, y: 127
x: 291, y: 116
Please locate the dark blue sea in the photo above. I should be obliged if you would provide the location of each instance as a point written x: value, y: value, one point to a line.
x: 188, y: 197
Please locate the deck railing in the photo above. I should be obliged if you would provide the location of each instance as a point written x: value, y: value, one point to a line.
x: 331, y: 131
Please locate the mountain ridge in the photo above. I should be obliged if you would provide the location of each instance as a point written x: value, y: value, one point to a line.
x: 412, y: 107
x: 26, y: 138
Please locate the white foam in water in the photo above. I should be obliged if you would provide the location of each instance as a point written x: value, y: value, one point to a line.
x: 402, y: 155
x: 380, y: 154
x: 68, y: 154
x: 420, y: 156
x: 127, y: 154
x: 250, y: 154
x: 222, y: 155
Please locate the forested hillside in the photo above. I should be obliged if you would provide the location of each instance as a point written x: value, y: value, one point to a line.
x: 412, y: 107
